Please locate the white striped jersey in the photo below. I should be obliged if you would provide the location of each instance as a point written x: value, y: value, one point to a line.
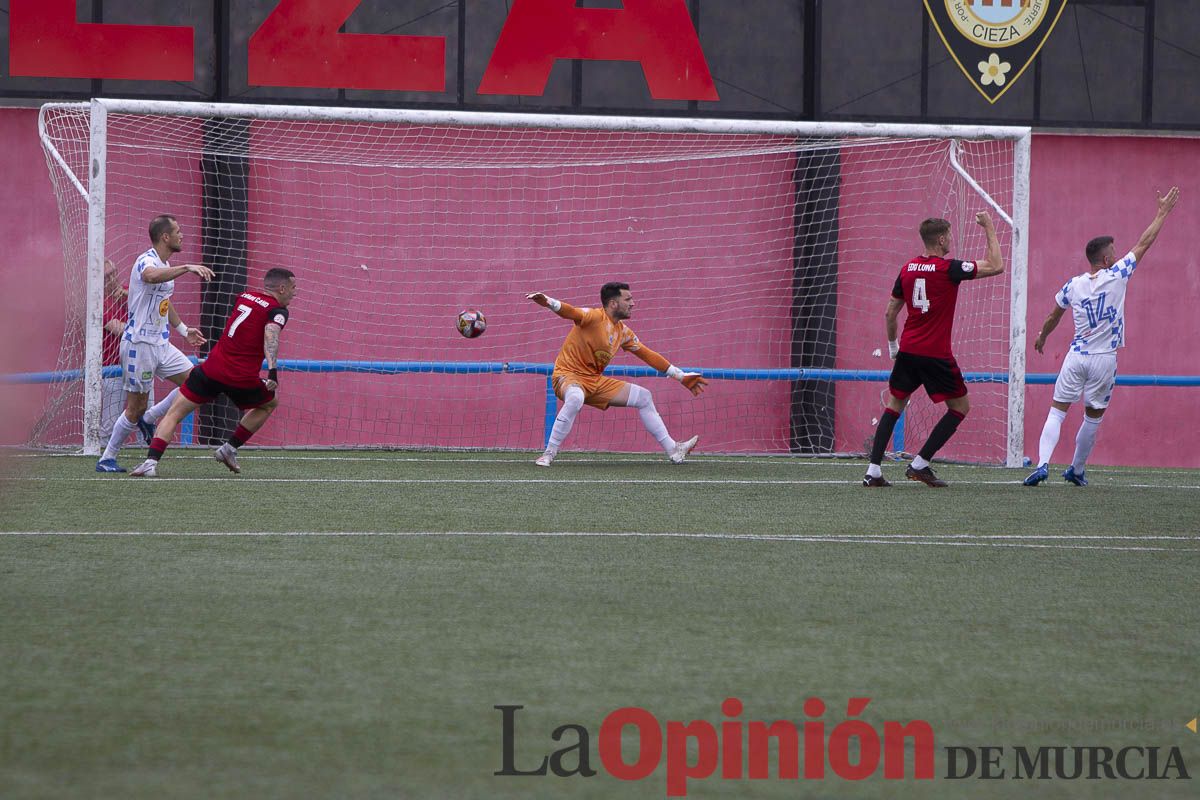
x: 148, y: 302
x: 1097, y: 304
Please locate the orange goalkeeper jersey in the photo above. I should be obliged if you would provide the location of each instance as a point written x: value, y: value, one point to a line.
x: 593, y: 342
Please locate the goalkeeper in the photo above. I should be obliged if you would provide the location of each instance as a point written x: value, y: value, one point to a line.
x: 578, y: 377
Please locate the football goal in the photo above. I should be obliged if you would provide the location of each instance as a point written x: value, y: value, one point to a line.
x: 759, y: 253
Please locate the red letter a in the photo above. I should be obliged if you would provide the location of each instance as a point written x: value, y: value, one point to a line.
x: 656, y: 33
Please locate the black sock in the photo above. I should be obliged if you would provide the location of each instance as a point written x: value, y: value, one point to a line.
x: 157, y: 448
x: 239, y: 436
x: 941, y: 433
x: 883, y: 435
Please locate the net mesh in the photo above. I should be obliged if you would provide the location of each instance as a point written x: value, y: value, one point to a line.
x: 745, y: 254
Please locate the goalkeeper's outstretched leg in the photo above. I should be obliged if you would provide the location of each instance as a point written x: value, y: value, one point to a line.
x: 637, y: 397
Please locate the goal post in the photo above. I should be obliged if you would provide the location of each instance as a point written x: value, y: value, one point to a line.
x: 761, y: 253
x: 1019, y: 292
x: 93, y: 333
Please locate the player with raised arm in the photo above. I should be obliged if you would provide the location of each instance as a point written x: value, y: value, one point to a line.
x: 251, y: 336
x: 928, y: 287
x: 1089, y: 371
x: 579, y: 378
x: 146, y: 350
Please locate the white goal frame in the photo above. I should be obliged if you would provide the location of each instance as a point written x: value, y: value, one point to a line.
x: 93, y: 188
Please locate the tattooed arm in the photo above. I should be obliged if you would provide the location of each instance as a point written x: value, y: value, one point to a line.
x: 271, y: 351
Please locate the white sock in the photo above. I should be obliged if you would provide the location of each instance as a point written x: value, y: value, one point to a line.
x: 156, y: 413
x: 1050, y: 433
x: 919, y: 463
x: 873, y: 471
x: 572, y: 402
x: 1085, y: 440
x: 121, y: 430
x: 643, y: 401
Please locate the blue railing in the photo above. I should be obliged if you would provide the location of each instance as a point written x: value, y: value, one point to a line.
x: 615, y: 370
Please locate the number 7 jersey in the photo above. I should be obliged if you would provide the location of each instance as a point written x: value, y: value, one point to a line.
x: 1097, y: 303
x: 928, y: 285
x: 237, y: 357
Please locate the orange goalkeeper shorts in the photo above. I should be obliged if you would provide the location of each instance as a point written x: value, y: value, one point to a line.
x: 598, y: 390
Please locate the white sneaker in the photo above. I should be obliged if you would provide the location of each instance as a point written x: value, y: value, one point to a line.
x: 227, y: 455
x: 147, y: 469
x: 682, y: 449
x: 545, y: 458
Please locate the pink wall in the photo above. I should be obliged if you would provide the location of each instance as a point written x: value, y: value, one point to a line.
x: 31, y: 274
x: 1082, y: 186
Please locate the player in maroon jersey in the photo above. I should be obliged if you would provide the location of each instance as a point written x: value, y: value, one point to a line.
x: 232, y: 369
x: 928, y: 287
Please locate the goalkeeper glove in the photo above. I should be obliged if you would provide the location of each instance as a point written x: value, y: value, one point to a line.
x: 543, y: 300
x: 893, y: 349
x: 694, y: 381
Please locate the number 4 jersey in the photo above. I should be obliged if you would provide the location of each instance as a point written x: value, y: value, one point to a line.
x: 928, y: 285
x: 1097, y: 303
x: 237, y: 357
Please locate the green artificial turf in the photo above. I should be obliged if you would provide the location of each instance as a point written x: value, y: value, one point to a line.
x: 369, y: 665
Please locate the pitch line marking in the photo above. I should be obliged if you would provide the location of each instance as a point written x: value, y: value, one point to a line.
x: 659, y: 534
x: 902, y: 537
x: 831, y: 539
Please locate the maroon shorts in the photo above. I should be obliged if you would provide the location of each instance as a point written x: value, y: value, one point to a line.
x: 201, y: 389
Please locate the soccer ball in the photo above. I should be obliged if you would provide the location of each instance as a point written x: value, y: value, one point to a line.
x: 471, y: 323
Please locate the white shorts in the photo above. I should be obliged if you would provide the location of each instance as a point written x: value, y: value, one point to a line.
x: 1091, y: 377
x: 144, y: 362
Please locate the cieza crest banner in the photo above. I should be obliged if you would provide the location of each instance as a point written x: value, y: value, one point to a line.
x: 994, y: 41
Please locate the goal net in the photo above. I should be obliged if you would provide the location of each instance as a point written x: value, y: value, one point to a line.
x: 761, y: 254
